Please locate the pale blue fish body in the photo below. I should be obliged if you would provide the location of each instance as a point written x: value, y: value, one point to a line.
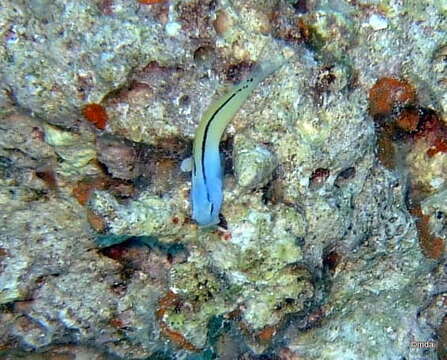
x: 207, y: 172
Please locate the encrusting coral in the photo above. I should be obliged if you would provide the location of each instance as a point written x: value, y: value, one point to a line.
x: 316, y: 241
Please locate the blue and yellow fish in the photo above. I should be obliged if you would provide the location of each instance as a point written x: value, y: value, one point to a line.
x: 207, y: 172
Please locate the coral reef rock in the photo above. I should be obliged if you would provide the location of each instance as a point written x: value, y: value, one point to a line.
x: 332, y: 237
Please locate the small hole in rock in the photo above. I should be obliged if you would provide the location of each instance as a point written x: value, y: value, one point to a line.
x: 318, y: 178
x: 185, y: 100
x: 331, y: 260
x: 344, y: 176
x: 203, y: 54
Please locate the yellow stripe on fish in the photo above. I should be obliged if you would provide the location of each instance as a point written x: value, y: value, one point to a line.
x: 207, y: 173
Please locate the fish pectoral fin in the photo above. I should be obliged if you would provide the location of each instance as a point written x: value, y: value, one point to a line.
x: 186, y: 165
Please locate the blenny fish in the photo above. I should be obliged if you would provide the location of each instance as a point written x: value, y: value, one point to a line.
x: 207, y: 172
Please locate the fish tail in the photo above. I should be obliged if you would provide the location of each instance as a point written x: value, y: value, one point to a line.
x: 268, y: 64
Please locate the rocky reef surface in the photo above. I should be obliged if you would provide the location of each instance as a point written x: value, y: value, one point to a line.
x: 333, y: 228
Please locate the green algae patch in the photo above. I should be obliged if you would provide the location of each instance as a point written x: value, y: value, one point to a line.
x: 255, y: 272
x: 76, y: 151
x: 203, y: 295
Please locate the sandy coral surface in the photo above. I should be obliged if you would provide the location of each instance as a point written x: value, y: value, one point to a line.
x: 332, y: 237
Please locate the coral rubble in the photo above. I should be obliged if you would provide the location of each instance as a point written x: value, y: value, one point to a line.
x: 332, y: 237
